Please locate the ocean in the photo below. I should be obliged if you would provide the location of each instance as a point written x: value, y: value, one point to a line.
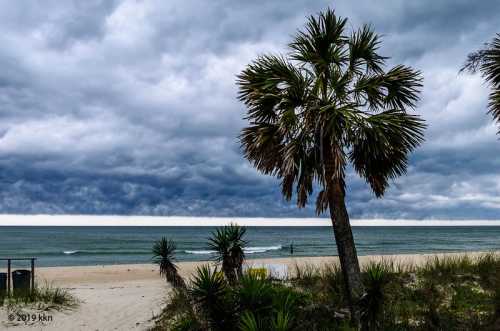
x: 72, y: 246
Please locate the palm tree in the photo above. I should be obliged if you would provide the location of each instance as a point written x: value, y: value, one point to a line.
x: 229, y: 245
x: 164, y: 256
x: 487, y: 61
x: 327, y: 103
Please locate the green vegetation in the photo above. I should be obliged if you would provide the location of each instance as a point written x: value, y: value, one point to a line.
x: 487, y: 62
x: 228, y: 243
x: 44, y: 298
x: 329, y: 103
x: 446, y: 293
x: 164, y: 256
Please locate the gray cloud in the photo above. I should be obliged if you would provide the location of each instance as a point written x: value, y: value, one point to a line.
x: 129, y: 107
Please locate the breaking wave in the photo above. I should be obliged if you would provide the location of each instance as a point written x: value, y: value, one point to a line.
x: 248, y: 250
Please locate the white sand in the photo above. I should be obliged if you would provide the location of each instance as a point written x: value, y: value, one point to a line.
x: 126, y: 297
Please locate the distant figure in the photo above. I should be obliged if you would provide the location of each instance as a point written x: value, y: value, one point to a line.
x: 291, y: 248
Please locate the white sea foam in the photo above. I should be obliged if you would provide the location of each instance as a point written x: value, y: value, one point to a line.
x: 70, y: 252
x: 248, y: 250
x: 252, y: 250
x: 199, y: 252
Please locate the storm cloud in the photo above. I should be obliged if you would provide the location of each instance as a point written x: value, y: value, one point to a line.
x: 129, y: 107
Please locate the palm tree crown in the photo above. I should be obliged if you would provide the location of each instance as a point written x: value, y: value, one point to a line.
x: 328, y: 102
x: 487, y: 61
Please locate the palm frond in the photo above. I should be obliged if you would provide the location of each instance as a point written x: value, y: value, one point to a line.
x: 487, y: 62
x: 321, y: 43
x: 363, y: 47
x: 381, y: 144
x: 403, y: 85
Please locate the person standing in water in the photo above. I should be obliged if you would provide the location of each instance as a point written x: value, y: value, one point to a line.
x: 291, y: 248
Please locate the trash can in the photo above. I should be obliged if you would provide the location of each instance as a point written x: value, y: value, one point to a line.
x: 3, y: 282
x: 3, y: 287
x: 21, y: 281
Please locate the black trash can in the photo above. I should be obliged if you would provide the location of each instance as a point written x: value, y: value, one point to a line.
x: 3, y: 282
x: 21, y: 280
x: 3, y: 285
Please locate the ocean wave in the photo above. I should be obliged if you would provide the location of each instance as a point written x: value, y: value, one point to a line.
x: 257, y: 249
x: 199, y: 252
x: 103, y: 252
x: 247, y: 250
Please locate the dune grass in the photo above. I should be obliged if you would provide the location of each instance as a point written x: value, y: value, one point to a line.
x: 46, y: 297
x: 445, y: 293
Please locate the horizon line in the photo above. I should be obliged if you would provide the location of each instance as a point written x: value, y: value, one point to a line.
x: 143, y: 220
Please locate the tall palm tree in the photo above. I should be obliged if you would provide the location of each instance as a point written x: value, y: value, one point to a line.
x: 229, y: 245
x: 326, y: 104
x: 487, y: 61
x: 164, y: 256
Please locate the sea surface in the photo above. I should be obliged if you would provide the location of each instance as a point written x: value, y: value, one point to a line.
x: 71, y: 246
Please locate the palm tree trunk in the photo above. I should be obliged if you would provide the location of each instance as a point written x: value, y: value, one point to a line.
x: 346, y: 247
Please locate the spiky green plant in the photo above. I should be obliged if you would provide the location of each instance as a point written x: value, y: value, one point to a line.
x: 248, y: 322
x: 376, y: 277
x: 211, y: 294
x: 178, y: 314
x: 330, y: 102
x: 228, y: 243
x: 282, y: 321
x: 487, y: 62
x: 164, y: 256
x: 255, y: 294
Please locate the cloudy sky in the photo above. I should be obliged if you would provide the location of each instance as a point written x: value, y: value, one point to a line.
x: 129, y: 107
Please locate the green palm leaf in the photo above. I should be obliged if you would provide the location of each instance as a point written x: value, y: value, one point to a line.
x: 487, y: 61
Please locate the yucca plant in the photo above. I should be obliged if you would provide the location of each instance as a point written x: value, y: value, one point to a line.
x: 255, y: 294
x: 228, y: 243
x: 328, y: 103
x: 376, y: 277
x: 211, y: 293
x: 487, y: 62
x: 248, y: 322
x: 282, y: 321
x: 164, y: 256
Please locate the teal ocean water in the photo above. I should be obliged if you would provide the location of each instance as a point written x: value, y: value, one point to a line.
x: 58, y: 246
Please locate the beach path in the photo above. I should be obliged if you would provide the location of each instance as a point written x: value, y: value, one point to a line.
x: 121, y: 297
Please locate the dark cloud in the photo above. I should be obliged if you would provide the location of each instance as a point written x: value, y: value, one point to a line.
x: 129, y: 107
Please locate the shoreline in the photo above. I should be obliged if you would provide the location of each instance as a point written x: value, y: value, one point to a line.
x: 258, y: 259
x: 147, y: 271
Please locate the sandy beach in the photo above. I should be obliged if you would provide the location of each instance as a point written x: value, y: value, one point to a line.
x: 127, y: 297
